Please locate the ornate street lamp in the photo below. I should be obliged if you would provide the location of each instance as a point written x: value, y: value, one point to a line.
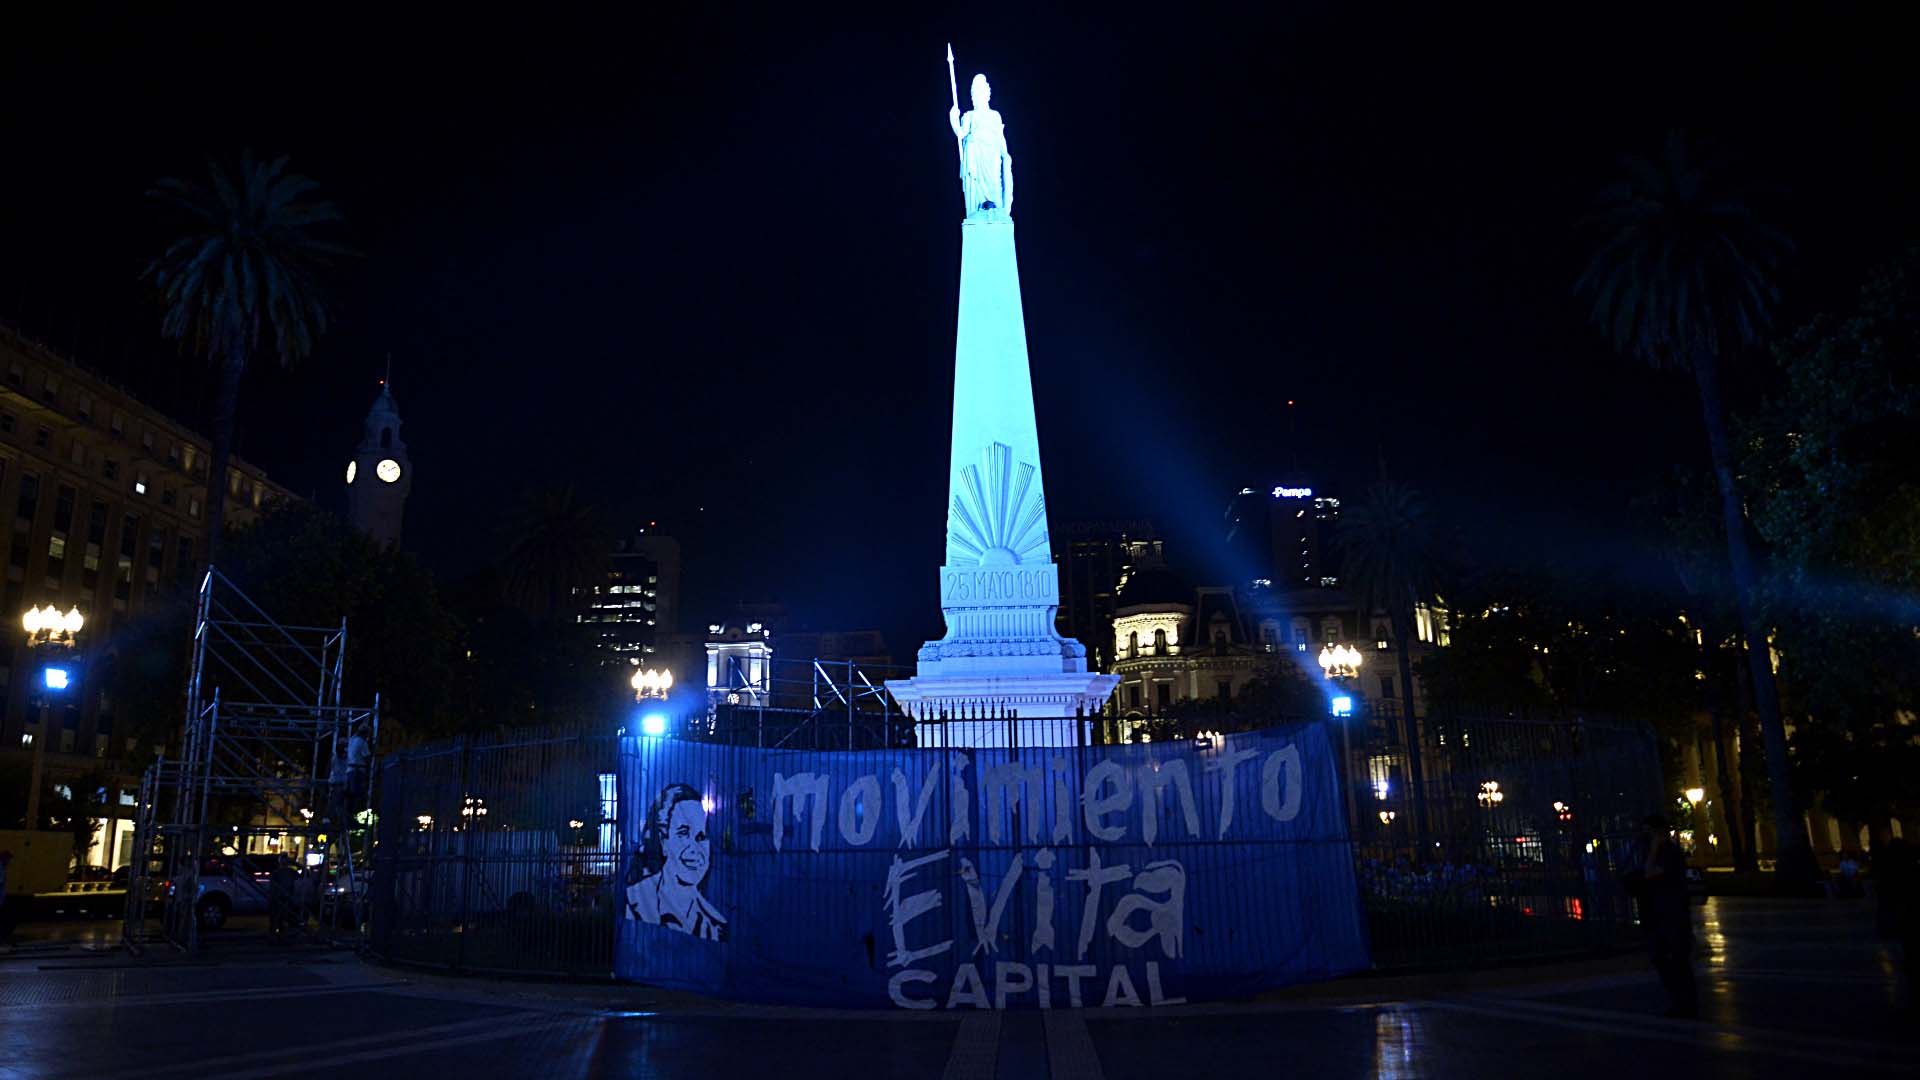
x: 52, y: 637
x: 651, y: 684
x: 1340, y: 661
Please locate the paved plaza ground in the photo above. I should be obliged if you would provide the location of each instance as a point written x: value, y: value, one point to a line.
x: 1788, y: 989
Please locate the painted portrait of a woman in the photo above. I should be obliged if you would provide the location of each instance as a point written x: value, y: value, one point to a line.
x: 663, y: 885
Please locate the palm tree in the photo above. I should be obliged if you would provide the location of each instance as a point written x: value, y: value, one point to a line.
x: 559, y: 553
x: 241, y: 281
x: 1683, y: 276
x: 1388, y: 565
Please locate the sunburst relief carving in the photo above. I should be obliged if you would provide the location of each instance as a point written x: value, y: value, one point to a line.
x: 1000, y: 518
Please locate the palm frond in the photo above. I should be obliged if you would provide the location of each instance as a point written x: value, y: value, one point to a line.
x: 241, y: 280
x: 1682, y: 267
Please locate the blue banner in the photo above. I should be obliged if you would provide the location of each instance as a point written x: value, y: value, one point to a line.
x: 942, y: 879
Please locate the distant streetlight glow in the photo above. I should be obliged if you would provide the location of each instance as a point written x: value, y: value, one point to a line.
x: 1696, y: 795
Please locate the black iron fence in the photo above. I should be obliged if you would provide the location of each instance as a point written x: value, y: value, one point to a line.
x: 503, y: 854
x: 1511, y: 840
x: 499, y: 854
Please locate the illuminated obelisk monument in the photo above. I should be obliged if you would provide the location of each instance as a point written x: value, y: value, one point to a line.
x: 1002, y: 675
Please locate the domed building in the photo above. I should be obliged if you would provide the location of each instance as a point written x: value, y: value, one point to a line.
x: 1174, y: 642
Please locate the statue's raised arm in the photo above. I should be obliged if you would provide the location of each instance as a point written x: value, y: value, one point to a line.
x: 986, y: 169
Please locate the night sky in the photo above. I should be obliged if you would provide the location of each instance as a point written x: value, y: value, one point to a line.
x: 705, y: 268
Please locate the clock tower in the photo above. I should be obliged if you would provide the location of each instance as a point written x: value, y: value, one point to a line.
x: 379, y: 473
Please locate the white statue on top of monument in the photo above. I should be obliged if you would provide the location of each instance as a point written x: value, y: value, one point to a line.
x: 986, y: 169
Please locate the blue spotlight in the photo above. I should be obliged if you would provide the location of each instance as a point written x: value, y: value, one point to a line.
x: 57, y: 678
x: 1343, y: 705
x: 653, y: 724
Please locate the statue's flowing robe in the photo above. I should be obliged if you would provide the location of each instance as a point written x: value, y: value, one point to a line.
x: 984, y: 167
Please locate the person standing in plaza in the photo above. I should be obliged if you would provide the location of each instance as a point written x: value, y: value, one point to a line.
x: 1659, y: 881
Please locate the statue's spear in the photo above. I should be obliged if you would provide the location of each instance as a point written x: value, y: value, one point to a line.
x: 953, y: 88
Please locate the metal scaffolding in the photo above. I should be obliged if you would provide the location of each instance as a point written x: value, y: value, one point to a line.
x: 264, y: 722
x: 799, y: 704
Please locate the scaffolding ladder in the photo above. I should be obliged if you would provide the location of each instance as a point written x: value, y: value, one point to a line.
x: 264, y: 719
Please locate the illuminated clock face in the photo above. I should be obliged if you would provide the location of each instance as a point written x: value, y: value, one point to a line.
x: 388, y: 470
x: 353, y: 469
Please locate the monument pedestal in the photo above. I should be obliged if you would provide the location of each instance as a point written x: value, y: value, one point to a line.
x: 1002, y: 675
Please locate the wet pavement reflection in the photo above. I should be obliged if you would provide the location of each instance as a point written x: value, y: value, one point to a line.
x: 1787, y: 988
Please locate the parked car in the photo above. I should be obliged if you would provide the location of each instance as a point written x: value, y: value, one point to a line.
x: 235, y: 885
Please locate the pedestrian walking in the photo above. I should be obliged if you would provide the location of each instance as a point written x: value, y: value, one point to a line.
x: 359, y: 762
x: 1658, y: 880
x: 1849, y: 875
x: 284, y: 917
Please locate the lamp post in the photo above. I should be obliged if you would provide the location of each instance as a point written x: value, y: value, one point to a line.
x: 51, y: 636
x: 652, y: 687
x: 1337, y: 663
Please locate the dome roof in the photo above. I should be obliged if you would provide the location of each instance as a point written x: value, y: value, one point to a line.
x: 1152, y: 583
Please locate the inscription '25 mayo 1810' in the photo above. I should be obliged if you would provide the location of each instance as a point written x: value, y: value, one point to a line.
x: 1014, y: 585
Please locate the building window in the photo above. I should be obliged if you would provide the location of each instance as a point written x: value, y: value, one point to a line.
x: 1160, y: 642
x: 190, y: 455
x: 96, y: 539
x: 156, y: 554
x: 6, y: 422
x: 77, y: 453
x: 173, y: 453
x: 146, y: 439
x: 184, y: 558
x: 1163, y: 694
x: 29, y: 496
x: 83, y: 408
x: 50, y: 387
x: 63, y: 502
x: 168, y: 497
x: 1225, y: 688
x: 17, y: 375
x: 56, y: 560
x: 118, y: 424
x: 1133, y: 643
x: 1330, y: 630
x: 110, y: 469
x: 193, y: 507
x: 1386, y: 687
x: 1133, y: 695
x: 129, y: 549
x: 42, y: 438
